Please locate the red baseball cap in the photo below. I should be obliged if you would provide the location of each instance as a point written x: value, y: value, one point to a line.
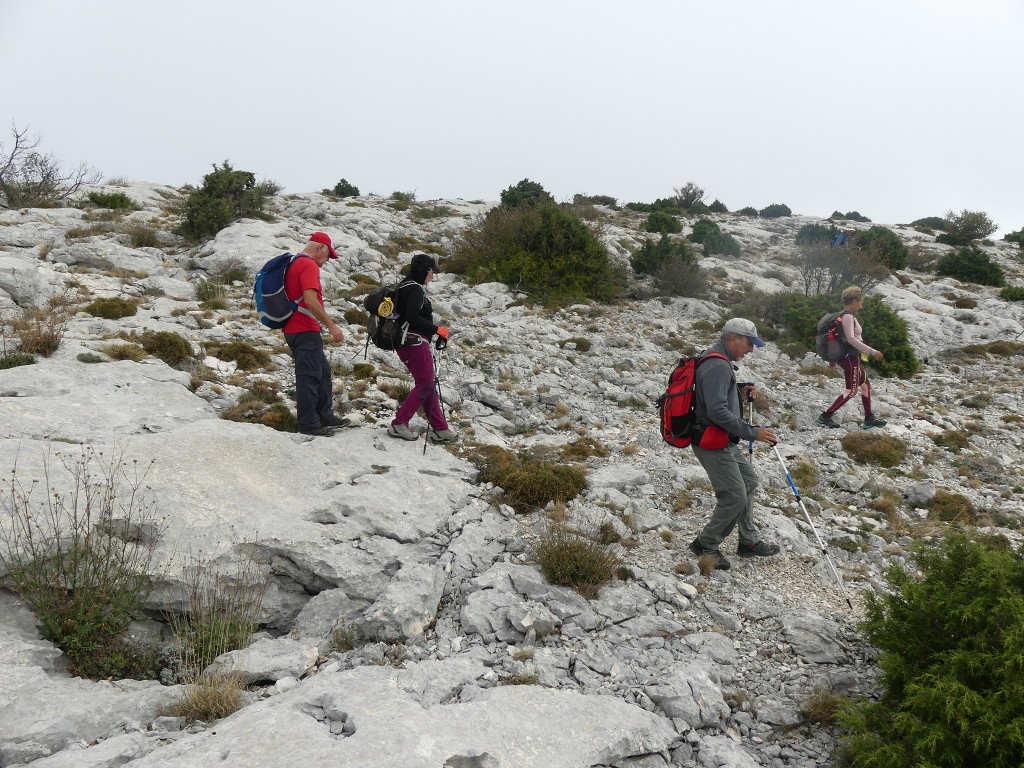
x: 324, y: 239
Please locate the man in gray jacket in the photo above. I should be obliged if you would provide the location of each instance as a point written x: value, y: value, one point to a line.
x: 718, y: 410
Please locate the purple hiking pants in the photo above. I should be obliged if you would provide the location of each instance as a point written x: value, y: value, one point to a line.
x: 418, y: 360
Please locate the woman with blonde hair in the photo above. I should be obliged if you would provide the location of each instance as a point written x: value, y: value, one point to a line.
x: 851, y: 363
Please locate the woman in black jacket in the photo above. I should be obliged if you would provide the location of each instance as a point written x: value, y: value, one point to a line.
x: 413, y: 307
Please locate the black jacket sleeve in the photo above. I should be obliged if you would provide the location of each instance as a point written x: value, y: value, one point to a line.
x: 414, y: 308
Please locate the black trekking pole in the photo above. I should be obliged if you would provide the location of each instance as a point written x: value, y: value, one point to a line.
x: 439, y: 349
x: 800, y: 501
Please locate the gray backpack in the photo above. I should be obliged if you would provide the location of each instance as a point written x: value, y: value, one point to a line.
x: 831, y: 344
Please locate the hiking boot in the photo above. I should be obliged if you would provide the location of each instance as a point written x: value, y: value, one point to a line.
x: 828, y: 420
x: 337, y: 422
x: 873, y: 422
x: 443, y: 435
x: 317, y: 431
x: 402, y: 431
x: 721, y: 563
x: 761, y: 549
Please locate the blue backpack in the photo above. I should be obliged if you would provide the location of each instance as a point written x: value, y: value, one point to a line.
x: 272, y: 303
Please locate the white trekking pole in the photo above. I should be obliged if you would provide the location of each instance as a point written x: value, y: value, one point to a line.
x: 800, y: 501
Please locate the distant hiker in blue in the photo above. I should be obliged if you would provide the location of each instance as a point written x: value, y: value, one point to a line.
x: 844, y: 237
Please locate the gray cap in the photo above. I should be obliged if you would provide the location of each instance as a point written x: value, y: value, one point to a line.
x: 743, y: 328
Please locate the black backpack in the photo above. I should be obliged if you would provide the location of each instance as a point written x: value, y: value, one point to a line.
x: 385, y: 328
x: 830, y: 343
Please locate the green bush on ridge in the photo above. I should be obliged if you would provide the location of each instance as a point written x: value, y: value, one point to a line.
x: 534, y: 245
x: 971, y: 266
x: 226, y: 195
x: 951, y: 636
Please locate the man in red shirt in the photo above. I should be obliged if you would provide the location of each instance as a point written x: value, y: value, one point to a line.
x: 314, y: 402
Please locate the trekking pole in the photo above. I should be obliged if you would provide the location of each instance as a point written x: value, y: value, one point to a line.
x: 800, y: 501
x: 438, y: 352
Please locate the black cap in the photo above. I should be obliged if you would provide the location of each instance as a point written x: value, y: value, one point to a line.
x: 423, y: 262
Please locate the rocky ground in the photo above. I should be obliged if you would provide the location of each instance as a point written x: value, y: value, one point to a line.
x: 464, y: 655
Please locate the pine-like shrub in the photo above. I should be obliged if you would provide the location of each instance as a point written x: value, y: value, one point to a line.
x: 951, y: 636
x: 814, y: 234
x: 542, y: 249
x: 344, y: 189
x: 117, y: 201
x: 226, y: 195
x: 649, y: 257
x: 526, y: 192
x: 718, y: 207
x: 748, y: 211
x: 663, y: 222
x: 723, y: 243
x: 1012, y: 293
x: 884, y: 246
x: 704, y: 229
x: 775, y: 211
x: 965, y: 227
x: 971, y: 266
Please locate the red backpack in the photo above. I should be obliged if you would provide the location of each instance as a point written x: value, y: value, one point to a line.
x: 675, y: 407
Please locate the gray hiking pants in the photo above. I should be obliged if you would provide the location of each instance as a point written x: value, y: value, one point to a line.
x: 734, y: 481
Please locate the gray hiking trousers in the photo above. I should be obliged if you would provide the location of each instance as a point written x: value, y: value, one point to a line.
x: 734, y: 481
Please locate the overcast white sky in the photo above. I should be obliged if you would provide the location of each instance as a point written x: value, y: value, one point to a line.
x: 898, y: 109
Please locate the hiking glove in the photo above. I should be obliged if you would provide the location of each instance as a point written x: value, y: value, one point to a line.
x: 442, y: 336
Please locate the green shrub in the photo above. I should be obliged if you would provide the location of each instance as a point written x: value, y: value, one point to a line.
x: 884, y: 246
x: 226, y: 195
x: 663, y: 222
x: 242, y: 353
x: 704, y: 229
x: 950, y: 507
x: 542, y: 249
x: 171, y: 347
x: 951, y: 636
x: 112, y: 308
x: 971, y: 266
x: 142, y: 236
x: 14, y: 359
x: 649, y: 257
x: 344, y: 189
x: 401, y: 201
x: 253, y: 409
x: 89, y: 357
x: 748, y: 211
x: 606, y: 200
x: 965, y: 227
x: 873, y: 448
x: 124, y: 352
x: 1016, y: 237
x: 529, y: 482
x: 117, y: 201
x: 953, y: 440
x: 1012, y: 293
x: 931, y: 222
x: 425, y: 213
x: 814, y: 234
x: 723, y: 243
x: 80, y: 557
x: 965, y: 302
x: 775, y: 211
x: 570, y: 559
x: 718, y: 207
x: 679, y: 276
x: 526, y: 192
